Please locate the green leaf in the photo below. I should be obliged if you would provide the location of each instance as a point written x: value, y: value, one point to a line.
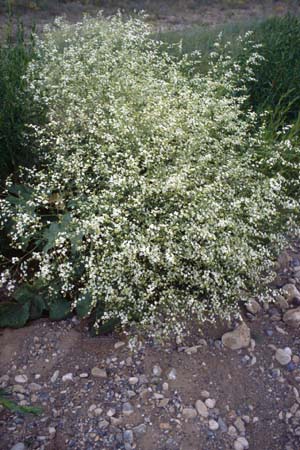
x: 50, y: 235
x: 14, y: 407
x: 60, y: 309
x: 13, y: 315
x: 23, y: 294
x: 37, y: 307
x: 108, y: 326
x: 83, y: 307
x: 27, y: 294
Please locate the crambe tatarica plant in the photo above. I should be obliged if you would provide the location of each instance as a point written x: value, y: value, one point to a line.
x: 147, y: 206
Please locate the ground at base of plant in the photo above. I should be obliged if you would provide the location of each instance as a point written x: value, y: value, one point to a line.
x: 104, y: 393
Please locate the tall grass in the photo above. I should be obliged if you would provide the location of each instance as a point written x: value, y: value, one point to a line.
x: 16, y: 106
x: 277, y: 85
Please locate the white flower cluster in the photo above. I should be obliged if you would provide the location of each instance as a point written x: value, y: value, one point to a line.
x: 148, y: 205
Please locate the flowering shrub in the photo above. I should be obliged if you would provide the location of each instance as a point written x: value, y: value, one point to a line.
x: 148, y: 207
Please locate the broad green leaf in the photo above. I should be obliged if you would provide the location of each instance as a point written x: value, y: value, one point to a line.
x: 13, y: 315
x: 60, y: 309
x: 37, y: 306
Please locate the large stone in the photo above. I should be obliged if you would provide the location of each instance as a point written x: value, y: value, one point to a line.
x: 19, y: 446
x: 99, y: 373
x: 21, y: 378
x: 213, y: 425
x: 201, y: 408
x: 238, y: 338
x: 253, y: 306
x: 283, y: 356
x: 291, y: 292
x: 241, y: 444
x: 189, y: 413
x: 292, y: 317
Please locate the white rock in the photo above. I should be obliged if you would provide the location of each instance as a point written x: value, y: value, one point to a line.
x: 156, y: 370
x: 189, y: 413
x: 201, y: 408
x: 232, y: 431
x: 84, y: 375
x: 19, y: 389
x: 21, y: 379
x: 238, y: 338
x: 213, y: 425
x: 253, y: 306
x: 204, y: 394
x: 292, y: 317
x: 68, y: 377
x: 119, y: 345
x: 282, y: 356
x: 34, y: 387
x: 54, y: 376
x: 239, y: 424
x: 19, y: 446
x: 52, y: 430
x: 290, y: 292
x: 99, y: 373
x: 210, y: 402
x: 133, y: 380
x: 127, y: 409
x: 172, y: 374
x: 241, y: 443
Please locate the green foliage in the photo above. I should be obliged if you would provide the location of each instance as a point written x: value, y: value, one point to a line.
x: 148, y: 206
x: 276, y: 80
x: 278, y: 77
x: 14, y: 407
x: 16, y: 106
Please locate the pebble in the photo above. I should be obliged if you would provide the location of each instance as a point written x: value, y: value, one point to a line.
x: 18, y: 388
x: 210, y: 402
x: 241, y: 444
x: 253, y: 306
x: 238, y: 338
x: 189, y: 413
x: 19, y: 446
x: 201, y: 408
x: 222, y: 424
x: 172, y: 374
x: 292, y: 317
x: 239, y: 424
x: 232, y: 431
x: 140, y: 429
x: 21, y: 378
x: 34, y: 387
x: 83, y: 375
x: 54, y: 377
x: 290, y: 292
x: 204, y: 394
x: 99, y: 373
x: 119, y: 345
x: 156, y: 371
x: 68, y: 377
x: 128, y: 436
x: 283, y: 356
x: 133, y: 380
x: 127, y: 409
x: 213, y: 425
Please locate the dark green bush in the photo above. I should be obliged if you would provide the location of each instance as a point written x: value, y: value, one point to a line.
x: 16, y: 106
x: 278, y: 77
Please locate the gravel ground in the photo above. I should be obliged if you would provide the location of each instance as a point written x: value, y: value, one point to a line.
x: 222, y: 390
